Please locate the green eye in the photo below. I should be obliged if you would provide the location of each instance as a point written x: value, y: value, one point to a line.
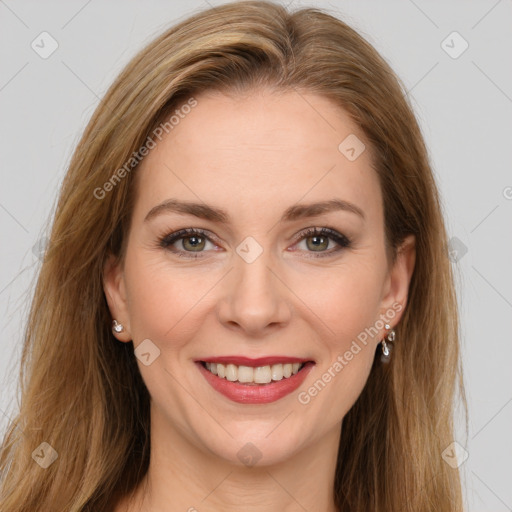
x: 317, y: 243
x: 193, y: 243
x: 317, y: 240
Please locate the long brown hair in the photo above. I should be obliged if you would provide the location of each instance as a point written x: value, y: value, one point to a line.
x: 81, y: 391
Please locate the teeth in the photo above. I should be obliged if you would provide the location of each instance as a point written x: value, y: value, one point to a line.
x: 257, y: 375
x: 245, y: 374
x: 231, y: 372
x: 277, y: 371
x: 262, y: 375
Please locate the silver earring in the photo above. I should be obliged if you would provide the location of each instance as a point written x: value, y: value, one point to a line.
x: 117, y: 327
x: 386, y: 349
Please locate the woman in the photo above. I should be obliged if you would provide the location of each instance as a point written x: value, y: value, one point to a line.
x: 247, y: 300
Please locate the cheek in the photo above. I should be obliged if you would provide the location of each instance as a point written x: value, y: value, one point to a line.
x: 347, y: 300
x: 162, y: 302
x: 355, y: 313
x: 349, y: 307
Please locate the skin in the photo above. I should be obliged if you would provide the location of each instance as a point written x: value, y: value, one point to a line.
x: 253, y: 155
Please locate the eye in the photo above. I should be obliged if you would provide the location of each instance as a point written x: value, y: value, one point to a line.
x: 188, y: 240
x: 191, y: 242
x: 319, y: 240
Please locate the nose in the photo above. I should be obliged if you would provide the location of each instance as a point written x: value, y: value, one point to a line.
x: 254, y: 299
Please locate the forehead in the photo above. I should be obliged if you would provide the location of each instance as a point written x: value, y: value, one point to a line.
x: 259, y: 151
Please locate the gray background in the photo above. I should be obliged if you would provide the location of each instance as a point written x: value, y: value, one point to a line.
x: 464, y: 105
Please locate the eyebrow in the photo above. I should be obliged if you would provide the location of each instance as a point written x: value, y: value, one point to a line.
x: 214, y: 214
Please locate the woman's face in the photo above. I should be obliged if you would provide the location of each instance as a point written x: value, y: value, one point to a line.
x: 256, y: 281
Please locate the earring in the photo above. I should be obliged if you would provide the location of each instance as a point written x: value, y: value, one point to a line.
x: 117, y: 327
x: 386, y: 349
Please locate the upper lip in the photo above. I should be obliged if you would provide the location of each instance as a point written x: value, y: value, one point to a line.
x: 259, y: 361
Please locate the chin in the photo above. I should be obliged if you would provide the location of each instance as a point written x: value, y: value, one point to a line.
x: 263, y: 444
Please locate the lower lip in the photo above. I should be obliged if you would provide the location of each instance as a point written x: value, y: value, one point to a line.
x: 256, y: 394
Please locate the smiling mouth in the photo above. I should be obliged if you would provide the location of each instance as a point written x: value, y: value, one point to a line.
x: 254, y: 376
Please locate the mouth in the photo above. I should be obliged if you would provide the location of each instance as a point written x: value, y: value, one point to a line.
x: 255, y: 381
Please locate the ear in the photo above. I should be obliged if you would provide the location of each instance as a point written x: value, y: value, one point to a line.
x: 396, y: 288
x: 115, y: 293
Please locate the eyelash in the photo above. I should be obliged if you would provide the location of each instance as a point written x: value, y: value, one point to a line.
x: 167, y: 240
